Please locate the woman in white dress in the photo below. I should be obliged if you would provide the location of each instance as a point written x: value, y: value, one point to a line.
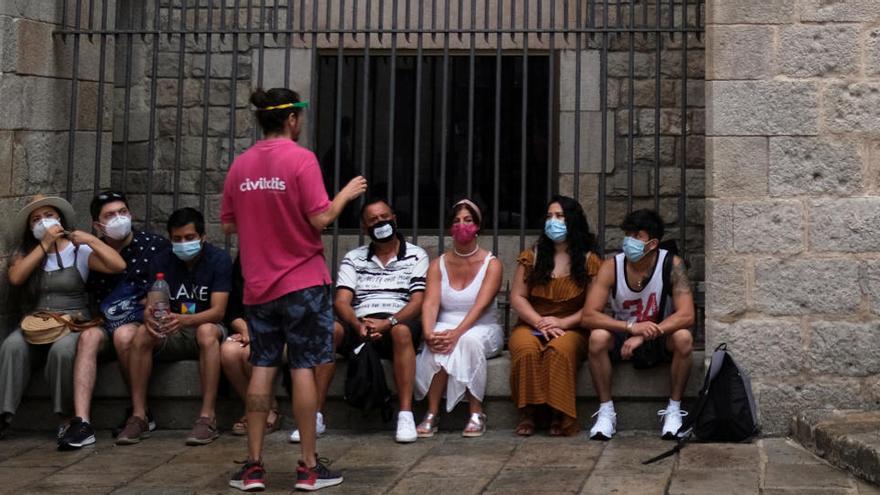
x: 459, y: 323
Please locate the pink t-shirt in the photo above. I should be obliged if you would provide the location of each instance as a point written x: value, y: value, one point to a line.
x: 270, y: 191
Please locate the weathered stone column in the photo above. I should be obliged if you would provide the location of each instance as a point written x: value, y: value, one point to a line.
x: 36, y: 68
x: 793, y: 215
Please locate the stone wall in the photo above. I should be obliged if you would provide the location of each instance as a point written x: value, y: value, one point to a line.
x: 35, y: 84
x: 792, y: 142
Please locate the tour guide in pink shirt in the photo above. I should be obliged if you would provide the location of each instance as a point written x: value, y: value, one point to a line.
x: 274, y: 198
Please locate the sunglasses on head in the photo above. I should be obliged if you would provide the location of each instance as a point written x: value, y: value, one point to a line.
x: 108, y: 196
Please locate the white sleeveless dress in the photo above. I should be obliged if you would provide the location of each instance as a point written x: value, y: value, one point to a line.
x: 466, y: 364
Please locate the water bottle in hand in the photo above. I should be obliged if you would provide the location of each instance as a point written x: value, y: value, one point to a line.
x: 159, y: 299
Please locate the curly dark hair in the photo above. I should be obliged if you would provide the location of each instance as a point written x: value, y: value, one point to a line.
x: 580, y: 242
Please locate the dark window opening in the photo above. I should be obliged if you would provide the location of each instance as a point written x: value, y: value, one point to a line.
x: 376, y: 162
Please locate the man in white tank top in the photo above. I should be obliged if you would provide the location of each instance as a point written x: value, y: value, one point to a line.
x: 652, y: 313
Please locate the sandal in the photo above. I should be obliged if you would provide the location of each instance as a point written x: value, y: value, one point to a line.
x: 239, y: 428
x: 428, y: 426
x: 476, y: 426
x: 273, y: 426
x: 526, y: 425
x: 564, y: 426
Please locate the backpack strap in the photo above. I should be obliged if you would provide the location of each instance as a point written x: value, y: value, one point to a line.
x: 680, y: 444
x: 667, y: 284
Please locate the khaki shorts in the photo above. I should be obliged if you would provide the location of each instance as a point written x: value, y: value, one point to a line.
x: 183, y: 345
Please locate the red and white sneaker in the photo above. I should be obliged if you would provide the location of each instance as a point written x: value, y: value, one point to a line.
x: 311, y: 479
x: 251, y: 477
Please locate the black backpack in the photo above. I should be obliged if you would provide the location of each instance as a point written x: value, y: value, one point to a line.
x: 365, y: 386
x: 725, y: 409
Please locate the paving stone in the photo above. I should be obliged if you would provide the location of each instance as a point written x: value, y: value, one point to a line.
x: 700, y: 481
x: 720, y: 456
x: 18, y: 478
x: 786, y: 451
x: 538, y: 479
x: 627, y: 484
x: 547, y: 452
x: 805, y: 476
x: 431, y: 484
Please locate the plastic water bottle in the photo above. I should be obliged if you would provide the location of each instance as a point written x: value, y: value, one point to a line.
x: 159, y: 298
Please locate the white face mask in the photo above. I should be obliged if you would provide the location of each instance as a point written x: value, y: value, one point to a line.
x: 42, y: 226
x: 118, y: 228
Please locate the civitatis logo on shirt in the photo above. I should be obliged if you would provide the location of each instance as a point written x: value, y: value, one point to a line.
x: 263, y: 184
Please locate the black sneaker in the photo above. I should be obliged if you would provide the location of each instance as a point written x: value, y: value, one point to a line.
x: 151, y: 422
x: 311, y: 479
x: 250, y: 478
x: 78, y: 434
x: 5, y: 419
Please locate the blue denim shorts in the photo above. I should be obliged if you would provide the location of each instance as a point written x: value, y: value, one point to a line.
x: 302, y: 319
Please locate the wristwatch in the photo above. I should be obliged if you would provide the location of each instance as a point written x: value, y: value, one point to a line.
x: 393, y: 321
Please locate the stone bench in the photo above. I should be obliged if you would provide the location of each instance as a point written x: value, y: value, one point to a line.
x: 174, y: 397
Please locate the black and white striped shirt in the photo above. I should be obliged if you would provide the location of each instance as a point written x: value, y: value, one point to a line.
x: 378, y: 288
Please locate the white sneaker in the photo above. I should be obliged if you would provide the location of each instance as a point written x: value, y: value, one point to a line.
x: 320, y: 428
x: 604, y: 427
x: 406, y: 429
x: 671, y: 421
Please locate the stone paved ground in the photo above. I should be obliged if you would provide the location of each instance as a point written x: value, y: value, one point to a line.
x: 498, y: 463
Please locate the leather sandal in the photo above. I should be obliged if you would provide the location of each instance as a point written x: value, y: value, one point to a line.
x: 273, y: 426
x: 476, y: 426
x: 526, y: 425
x: 239, y: 428
x: 428, y: 426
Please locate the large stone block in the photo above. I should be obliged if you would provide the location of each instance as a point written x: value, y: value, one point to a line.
x: 844, y: 348
x: 6, y: 162
x: 40, y: 10
x: 818, y: 50
x: 806, y: 286
x: 852, y: 107
x: 839, y: 11
x: 737, y: 166
x: 590, y: 151
x: 802, y: 165
x: 750, y: 12
x: 768, y: 227
x: 726, y: 46
x: 590, y: 99
x: 872, y: 52
x: 726, y: 286
x: 849, y: 225
x: 743, y: 108
x: 779, y: 401
x: 870, y: 281
x: 719, y: 226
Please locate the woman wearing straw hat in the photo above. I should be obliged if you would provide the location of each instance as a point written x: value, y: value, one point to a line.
x: 48, y: 273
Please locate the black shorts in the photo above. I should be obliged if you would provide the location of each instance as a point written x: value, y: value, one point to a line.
x: 302, y: 319
x: 651, y: 353
x: 385, y: 346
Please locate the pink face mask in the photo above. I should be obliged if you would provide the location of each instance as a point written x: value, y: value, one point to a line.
x: 464, y: 233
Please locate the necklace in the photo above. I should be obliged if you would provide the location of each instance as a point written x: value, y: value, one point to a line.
x: 466, y: 255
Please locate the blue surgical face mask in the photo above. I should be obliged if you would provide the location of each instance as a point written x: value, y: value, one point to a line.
x: 633, y: 249
x: 556, y: 230
x: 187, y: 250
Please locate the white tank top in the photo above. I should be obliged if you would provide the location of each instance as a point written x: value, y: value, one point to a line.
x: 455, y: 304
x: 643, y: 304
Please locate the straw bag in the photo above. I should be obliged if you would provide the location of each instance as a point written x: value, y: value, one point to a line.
x: 45, y: 327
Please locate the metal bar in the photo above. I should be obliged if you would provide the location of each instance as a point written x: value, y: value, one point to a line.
x: 578, y: 40
x: 407, y: 13
x: 288, y: 40
x: 386, y: 31
x: 337, y: 137
x: 460, y: 17
x: 206, y: 104
x: 74, y: 88
x: 471, y: 82
x: 126, y: 109
x: 417, y: 126
x: 302, y: 21
x: 444, y: 137
x: 178, y: 131
x: 392, y: 100
x: 223, y: 21
x: 99, y: 120
x: 365, y: 101
x: 658, y: 43
x: 631, y: 116
x: 551, y: 115
x: 195, y: 20
x: 261, y: 57
x: 275, y: 22
x: 524, y: 132
x: 682, y: 198
x: 313, y: 85
x: 496, y: 175
x: 329, y: 18
x: 151, y: 147
x: 233, y: 84
x: 603, y: 111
